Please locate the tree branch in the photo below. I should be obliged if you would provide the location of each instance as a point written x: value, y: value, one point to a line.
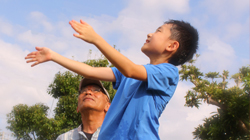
x: 34, y: 135
x: 213, y: 102
x: 243, y: 126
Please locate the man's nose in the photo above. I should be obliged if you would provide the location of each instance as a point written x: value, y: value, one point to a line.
x: 89, y: 92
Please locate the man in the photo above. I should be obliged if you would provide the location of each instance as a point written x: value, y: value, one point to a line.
x: 93, y: 104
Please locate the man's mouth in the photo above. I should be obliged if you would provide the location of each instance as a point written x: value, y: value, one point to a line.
x: 88, y: 98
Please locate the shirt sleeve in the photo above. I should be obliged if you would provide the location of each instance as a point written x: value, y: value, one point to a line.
x: 162, y: 78
x: 118, y: 77
x: 59, y: 137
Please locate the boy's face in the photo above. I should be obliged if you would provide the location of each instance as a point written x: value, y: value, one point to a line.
x: 156, y: 42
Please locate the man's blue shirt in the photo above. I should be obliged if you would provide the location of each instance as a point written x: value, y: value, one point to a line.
x: 137, y: 105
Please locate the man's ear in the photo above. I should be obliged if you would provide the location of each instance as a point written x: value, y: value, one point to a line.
x: 173, y: 46
x: 107, y: 107
x: 77, y: 110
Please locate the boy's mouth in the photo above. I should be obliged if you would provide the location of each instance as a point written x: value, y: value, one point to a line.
x: 147, y: 41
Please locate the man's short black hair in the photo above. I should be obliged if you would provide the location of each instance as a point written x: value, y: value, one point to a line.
x: 187, y: 36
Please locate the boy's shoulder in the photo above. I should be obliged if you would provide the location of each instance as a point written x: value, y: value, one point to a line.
x: 162, y: 65
x: 162, y: 69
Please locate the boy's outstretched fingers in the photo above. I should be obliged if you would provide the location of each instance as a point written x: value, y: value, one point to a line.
x: 83, y: 31
x: 82, y: 22
x: 42, y: 54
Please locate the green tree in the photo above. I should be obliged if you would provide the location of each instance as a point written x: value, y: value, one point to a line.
x: 33, y: 123
x: 231, y: 121
x: 65, y: 87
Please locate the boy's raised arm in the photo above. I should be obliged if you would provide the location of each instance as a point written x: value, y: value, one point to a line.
x: 44, y: 54
x: 122, y: 63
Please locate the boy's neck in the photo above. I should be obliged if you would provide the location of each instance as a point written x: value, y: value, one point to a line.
x: 158, y: 61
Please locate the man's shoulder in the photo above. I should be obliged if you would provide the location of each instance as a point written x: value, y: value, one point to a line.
x: 69, y: 134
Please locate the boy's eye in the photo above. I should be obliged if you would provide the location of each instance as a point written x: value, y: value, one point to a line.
x: 158, y: 30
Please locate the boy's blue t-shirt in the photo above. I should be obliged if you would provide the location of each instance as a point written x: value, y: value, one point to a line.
x: 137, y: 105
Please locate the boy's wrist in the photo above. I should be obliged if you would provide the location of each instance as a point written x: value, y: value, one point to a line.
x: 52, y: 55
x: 97, y: 41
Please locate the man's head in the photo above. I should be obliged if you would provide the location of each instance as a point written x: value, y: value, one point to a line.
x: 187, y: 36
x: 176, y: 41
x: 92, y: 96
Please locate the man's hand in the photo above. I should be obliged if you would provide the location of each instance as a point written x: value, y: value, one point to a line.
x: 42, y: 54
x: 85, y: 31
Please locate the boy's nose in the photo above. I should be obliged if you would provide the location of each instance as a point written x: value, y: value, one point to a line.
x: 149, y: 35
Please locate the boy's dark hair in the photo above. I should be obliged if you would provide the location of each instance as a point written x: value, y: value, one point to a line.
x: 187, y: 36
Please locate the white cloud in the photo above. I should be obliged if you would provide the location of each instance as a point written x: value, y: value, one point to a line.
x: 31, y: 38
x: 6, y: 28
x: 177, y: 121
x: 40, y: 19
x: 158, y: 7
x: 132, y: 26
x: 219, y: 47
x: 233, y: 30
x: 216, y: 55
x: 19, y: 82
x: 225, y: 10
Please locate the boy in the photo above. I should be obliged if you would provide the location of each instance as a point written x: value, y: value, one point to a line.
x: 142, y: 91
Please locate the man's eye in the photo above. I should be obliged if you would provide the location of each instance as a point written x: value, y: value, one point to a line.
x: 84, y: 90
x: 96, y: 90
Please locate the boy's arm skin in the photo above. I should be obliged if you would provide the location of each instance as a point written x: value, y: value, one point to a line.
x: 44, y: 54
x: 86, y: 33
x: 122, y: 63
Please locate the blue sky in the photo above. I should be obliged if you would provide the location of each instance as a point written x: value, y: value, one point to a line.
x: 223, y: 26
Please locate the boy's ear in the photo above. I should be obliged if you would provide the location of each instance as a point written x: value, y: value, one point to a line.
x: 173, y: 46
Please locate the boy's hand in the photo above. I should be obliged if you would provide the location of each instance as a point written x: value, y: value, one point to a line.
x: 42, y: 54
x: 84, y: 30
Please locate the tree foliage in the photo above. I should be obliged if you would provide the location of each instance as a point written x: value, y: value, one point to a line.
x: 231, y: 121
x: 32, y: 122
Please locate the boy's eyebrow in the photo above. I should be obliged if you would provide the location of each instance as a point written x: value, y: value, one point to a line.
x: 159, y: 28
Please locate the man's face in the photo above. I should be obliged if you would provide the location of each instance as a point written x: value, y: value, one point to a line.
x: 92, y: 98
x: 156, y: 42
